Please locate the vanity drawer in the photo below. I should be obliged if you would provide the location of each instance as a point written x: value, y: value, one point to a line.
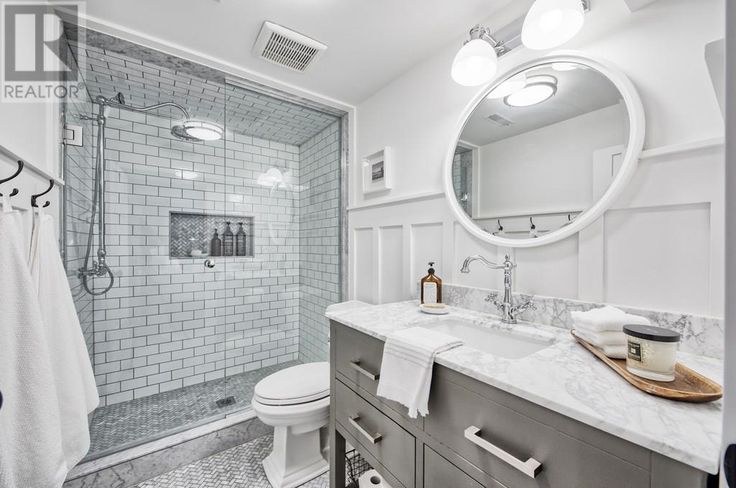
x: 375, y: 432
x: 508, y: 443
x: 358, y: 357
x: 441, y: 473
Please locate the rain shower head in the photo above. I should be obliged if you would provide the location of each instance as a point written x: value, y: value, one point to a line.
x: 197, y: 130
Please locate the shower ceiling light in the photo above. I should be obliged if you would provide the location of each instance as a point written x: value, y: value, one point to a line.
x: 477, y: 61
x: 551, y: 23
x: 513, y: 84
x: 204, y: 131
x: 537, y: 90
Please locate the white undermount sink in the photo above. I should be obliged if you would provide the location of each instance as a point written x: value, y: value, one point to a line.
x: 507, y: 344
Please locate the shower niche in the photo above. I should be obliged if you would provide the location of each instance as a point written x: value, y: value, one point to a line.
x: 191, y: 235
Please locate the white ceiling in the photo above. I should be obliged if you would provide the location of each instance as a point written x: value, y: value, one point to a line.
x: 579, y: 91
x: 370, y: 42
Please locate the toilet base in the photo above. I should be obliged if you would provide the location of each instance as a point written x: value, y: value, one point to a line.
x: 295, y: 459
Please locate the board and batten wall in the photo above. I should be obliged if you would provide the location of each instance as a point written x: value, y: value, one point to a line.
x: 659, y: 247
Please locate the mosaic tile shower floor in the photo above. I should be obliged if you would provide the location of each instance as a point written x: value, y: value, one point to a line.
x: 236, y: 467
x: 144, y: 419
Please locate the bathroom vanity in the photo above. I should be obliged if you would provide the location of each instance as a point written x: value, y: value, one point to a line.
x: 541, y: 413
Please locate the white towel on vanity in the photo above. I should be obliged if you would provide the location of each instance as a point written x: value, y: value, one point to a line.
x: 31, y: 453
x: 406, y: 370
x: 75, y: 382
x: 603, y: 328
x: 602, y: 339
x: 605, y: 319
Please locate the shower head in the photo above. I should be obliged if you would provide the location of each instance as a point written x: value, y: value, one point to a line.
x: 195, y: 130
x: 117, y: 99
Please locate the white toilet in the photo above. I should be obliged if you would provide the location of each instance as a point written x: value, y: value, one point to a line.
x: 296, y: 402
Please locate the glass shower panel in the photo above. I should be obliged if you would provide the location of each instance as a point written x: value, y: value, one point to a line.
x: 158, y: 334
x: 283, y: 182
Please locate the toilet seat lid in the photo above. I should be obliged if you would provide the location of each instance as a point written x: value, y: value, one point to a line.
x: 298, y: 384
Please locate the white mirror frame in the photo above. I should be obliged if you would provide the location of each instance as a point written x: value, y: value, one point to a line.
x: 629, y: 164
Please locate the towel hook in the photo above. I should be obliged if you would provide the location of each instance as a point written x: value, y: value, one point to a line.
x: 4, y: 180
x: 533, y: 229
x: 34, y: 197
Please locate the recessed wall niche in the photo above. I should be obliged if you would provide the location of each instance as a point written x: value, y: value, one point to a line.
x: 189, y: 231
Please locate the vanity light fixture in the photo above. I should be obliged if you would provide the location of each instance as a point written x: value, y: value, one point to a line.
x: 548, y: 24
x: 551, y: 23
x: 477, y: 61
x: 538, y: 89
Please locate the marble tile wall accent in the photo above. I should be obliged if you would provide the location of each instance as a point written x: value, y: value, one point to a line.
x: 319, y: 240
x: 700, y: 335
x: 193, y: 231
x: 79, y: 177
x: 169, y: 323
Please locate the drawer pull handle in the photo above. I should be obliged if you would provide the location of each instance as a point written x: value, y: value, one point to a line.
x: 373, y: 439
x: 357, y: 367
x: 531, y: 467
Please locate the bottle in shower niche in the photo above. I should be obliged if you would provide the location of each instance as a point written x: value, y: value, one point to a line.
x: 216, y: 245
x: 228, y: 241
x: 240, y: 244
x: 430, y: 287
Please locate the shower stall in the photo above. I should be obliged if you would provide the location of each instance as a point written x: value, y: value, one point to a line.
x: 201, y: 236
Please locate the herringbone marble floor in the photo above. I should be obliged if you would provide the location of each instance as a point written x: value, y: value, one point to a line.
x: 123, y: 425
x: 238, y: 467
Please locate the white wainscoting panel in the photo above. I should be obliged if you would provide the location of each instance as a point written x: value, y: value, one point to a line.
x: 661, y: 246
x: 551, y: 269
x: 364, y: 268
x: 426, y: 245
x: 391, y: 274
x: 650, y: 263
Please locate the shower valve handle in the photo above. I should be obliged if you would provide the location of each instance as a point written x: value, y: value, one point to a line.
x: 208, y: 263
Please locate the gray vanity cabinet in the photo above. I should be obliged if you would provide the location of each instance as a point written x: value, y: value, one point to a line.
x: 476, y: 435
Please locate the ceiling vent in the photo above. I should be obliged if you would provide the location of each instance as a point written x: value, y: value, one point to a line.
x: 499, y: 120
x: 287, y: 48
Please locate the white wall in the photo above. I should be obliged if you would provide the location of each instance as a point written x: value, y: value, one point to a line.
x: 31, y: 131
x: 541, y: 170
x: 636, y: 254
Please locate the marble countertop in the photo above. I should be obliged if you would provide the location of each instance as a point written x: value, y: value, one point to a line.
x: 568, y: 379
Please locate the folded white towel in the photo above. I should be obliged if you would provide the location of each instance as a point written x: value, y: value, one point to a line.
x: 75, y: 381
x: 606, y: 318
x: 615, y: 352
x: 602, y: 339
x: 406, y: 370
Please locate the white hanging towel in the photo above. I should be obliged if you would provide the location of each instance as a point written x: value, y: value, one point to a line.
x: 75, y: 380
x: 406, y: 368
x: 31, y: 453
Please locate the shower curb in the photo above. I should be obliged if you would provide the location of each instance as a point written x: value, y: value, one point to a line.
x: 140, y: 463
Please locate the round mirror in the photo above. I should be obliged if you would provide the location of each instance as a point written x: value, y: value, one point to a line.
x: 544, y: 151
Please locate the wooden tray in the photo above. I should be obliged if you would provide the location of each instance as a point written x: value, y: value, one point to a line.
x: 688, y: 385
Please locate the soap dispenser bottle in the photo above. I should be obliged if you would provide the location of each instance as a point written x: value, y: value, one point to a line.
x: 430, y: 287
x: 216, y: 245
x: 228, y: 241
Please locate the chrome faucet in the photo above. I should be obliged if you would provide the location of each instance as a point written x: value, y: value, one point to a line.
x: 508, y: 310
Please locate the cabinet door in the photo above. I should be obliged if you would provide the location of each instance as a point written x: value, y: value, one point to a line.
x: 383, y: 438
